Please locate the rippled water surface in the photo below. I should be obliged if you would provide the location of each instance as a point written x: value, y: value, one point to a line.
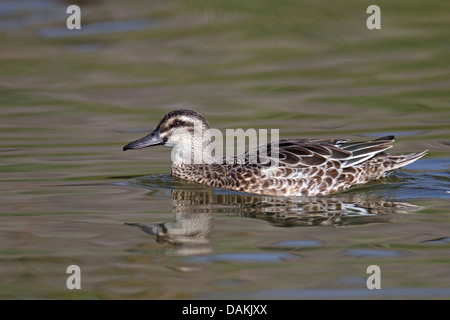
x: 69, y: 101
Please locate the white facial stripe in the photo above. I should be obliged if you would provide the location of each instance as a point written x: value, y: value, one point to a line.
x: 185, y: 119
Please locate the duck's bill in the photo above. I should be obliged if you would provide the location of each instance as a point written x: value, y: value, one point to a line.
x: 153, y: 139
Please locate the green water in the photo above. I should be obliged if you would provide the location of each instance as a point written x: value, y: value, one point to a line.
x: 70, y: 99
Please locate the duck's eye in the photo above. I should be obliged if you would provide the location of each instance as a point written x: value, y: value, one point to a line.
x: 176, y: 123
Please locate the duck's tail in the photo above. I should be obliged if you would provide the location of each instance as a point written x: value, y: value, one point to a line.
x: 398, y: 161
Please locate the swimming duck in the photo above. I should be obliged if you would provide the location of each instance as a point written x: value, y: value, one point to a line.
x: 297, y: 167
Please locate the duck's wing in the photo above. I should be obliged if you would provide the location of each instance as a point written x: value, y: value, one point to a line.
x: 303, y: 153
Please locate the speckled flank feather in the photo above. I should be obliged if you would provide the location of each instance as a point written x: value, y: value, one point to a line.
x: 303, y: 167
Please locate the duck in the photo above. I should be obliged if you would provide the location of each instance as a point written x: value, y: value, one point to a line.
x: 287, y: 167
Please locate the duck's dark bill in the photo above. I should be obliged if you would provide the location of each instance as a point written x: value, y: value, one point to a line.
x: 153, y: 139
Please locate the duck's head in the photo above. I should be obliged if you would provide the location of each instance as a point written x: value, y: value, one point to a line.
x: 174, y: 128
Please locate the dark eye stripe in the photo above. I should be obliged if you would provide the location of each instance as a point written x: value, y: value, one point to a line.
x: 175, y: 124
x: 180, y: 123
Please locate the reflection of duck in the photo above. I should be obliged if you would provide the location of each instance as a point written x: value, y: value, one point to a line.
x: 294, y: 167
x: 194, y: 212
x: 293, y: 211
x: 191, y: 228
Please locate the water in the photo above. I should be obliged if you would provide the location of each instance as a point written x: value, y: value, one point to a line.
x: 69, y: 102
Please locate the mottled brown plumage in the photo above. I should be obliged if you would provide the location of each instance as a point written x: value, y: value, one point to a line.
x: 291, y: 167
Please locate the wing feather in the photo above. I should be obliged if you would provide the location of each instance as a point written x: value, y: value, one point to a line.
x: 303, y: 153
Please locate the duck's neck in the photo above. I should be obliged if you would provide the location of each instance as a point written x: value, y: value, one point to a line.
x: 197, y: 150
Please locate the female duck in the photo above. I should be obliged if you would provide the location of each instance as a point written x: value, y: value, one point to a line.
x: 290, y: 167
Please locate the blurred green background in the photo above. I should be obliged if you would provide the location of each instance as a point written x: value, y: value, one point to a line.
x: 70, y: 99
